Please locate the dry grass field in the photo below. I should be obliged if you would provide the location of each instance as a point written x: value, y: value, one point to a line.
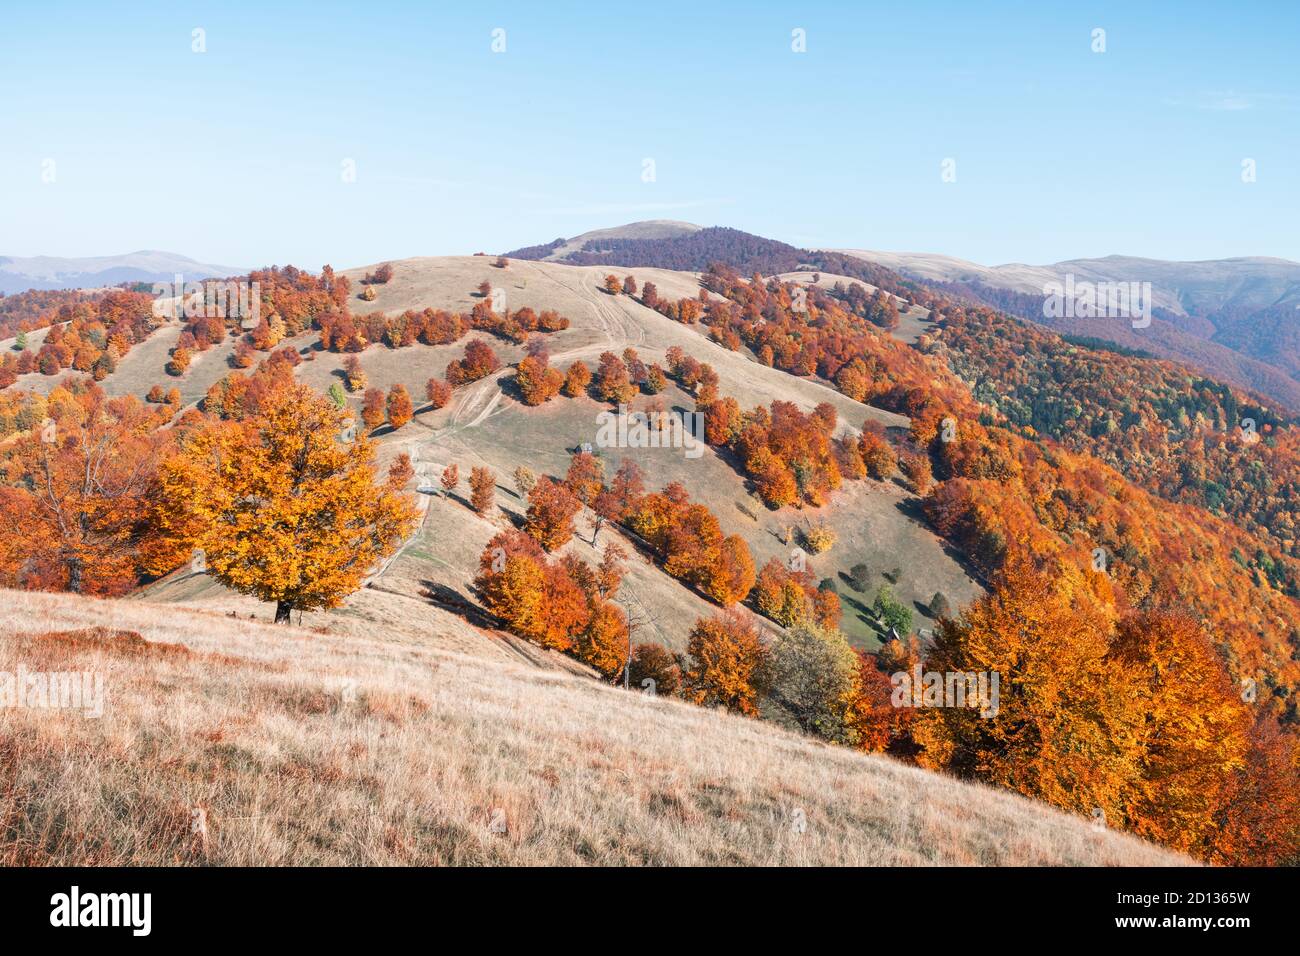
x: 228, y: 741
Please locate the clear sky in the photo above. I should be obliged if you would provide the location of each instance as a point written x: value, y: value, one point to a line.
x: 236, y: 155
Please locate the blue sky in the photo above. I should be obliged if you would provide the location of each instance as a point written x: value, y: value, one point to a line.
x: 235, y: 155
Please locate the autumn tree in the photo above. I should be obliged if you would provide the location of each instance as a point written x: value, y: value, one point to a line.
x: 243, y: 356
x: 450, y: 478
x: 732, y: 577
x: 400, y: 471
x: 1065, y: 727
x: 524, y: 479
x: 655, y: 670
x: 437, y: 392
x: 603, y: 642
x: 479, y: 360
x: 918, y: 472
x: 876, y: 453
x: 612, y: 285
x: 727, y: 660
x: 586, y: 477
x: 536, y: 599
x: 77, y: 489
x: 372, y: 408
x: 400, y: 408
x: 812, y: 680
x: 281, y: 509
x: 537, y: 382
x: 483, y: 489
x: 551, y: 509
x: 1194, y: 730
x: 180, y: 361
x: 612, y: 382
x: 576, y: 380
x: 609, y: 574
x: 354, y: 374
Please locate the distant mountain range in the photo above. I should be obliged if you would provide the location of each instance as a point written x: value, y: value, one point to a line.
x: 18, y: 274
x: 1235, y: 319
x: 1238, y: 319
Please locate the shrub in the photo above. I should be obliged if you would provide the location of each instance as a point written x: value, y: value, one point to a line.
x: 819, y: 538
x: 939, y: 606
x: 179, y: 364
x: 654, y: 670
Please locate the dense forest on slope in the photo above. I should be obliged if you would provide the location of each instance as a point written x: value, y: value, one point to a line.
x: 1173, y: 431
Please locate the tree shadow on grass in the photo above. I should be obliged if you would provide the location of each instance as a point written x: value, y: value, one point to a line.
x: 449, y: 599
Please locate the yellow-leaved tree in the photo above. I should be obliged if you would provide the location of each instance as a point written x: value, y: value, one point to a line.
x: 282, y: 508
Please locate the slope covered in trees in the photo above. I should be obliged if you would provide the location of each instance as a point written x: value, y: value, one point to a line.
x: 1185, y: 437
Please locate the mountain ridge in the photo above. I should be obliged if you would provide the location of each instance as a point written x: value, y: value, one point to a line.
x: 43, y: 273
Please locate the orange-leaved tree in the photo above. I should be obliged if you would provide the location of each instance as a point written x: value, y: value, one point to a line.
x: 80, y: 486
x: 400, y: 408
x: 727, y: 662
x: 482, y: 489
x: 1066, y: 728
x: 551, y: 509
x: 281, y: 508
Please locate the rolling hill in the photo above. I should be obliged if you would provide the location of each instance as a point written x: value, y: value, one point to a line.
x: 233, y: 742
x: 424, y: 597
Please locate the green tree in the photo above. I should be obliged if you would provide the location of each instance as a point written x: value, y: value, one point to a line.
x: 891, y: 612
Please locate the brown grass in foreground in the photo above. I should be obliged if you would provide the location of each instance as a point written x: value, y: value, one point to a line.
x: 272, y: 745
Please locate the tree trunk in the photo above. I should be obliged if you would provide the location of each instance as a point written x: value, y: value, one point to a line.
x: 282, y: 609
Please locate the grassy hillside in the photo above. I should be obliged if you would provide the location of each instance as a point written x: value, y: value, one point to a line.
x: 226, y: 741
x: 878, y: 522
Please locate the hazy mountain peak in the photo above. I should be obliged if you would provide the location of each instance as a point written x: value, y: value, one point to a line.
x: 19, y: 273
